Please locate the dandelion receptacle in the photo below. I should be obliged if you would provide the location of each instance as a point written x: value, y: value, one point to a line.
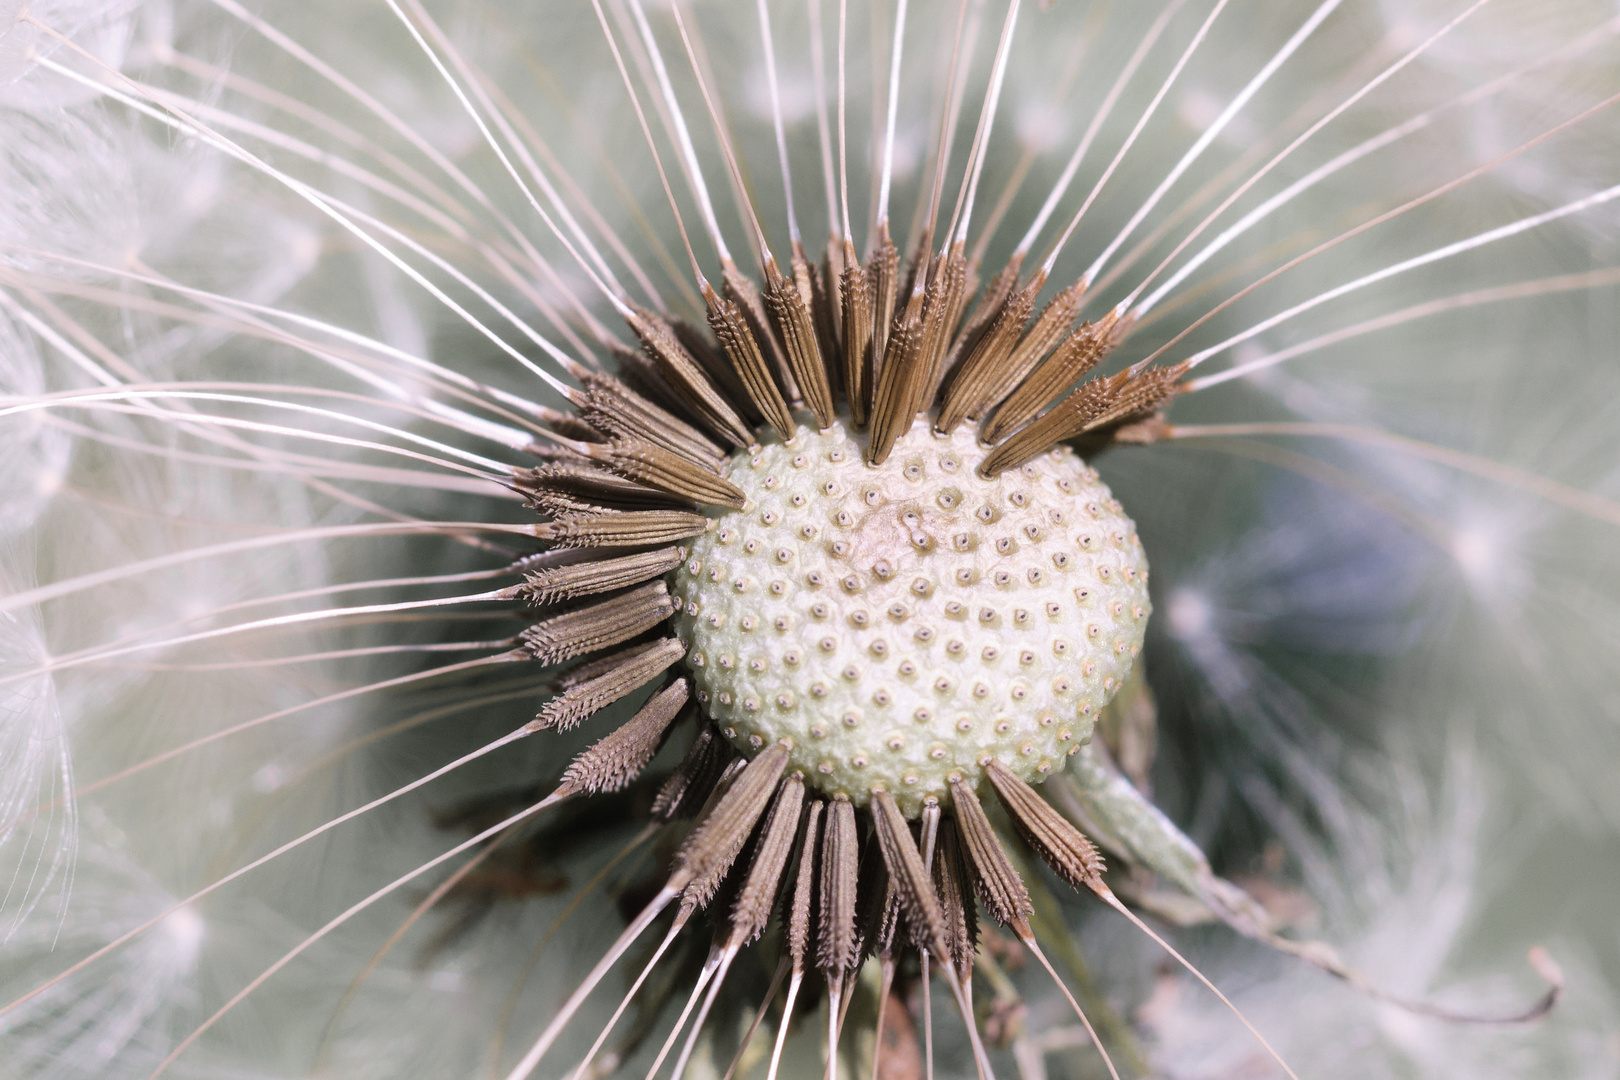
x: 725, y: 539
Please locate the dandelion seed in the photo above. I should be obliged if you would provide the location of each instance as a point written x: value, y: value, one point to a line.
x: 333, y: 344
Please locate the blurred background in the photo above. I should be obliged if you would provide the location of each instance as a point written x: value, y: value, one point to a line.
x: 1383, y: 658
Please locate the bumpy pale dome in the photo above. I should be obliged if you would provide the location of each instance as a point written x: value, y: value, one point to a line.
x: 904, y: 624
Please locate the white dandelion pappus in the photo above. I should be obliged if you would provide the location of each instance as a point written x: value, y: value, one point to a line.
x: 284, y: 294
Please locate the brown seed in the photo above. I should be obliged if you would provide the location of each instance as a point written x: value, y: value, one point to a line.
x: 578, y: 486
x: 1070, y: 855
x: 584, y: 699
x: 1142, y: 395
x: 708, y: 852
x: 985, y: 376
x: 549, y: 584
x: 804, y: 885
x: 600, y: 625
x: 991, y: 301
x: 640, y: 376
x: 694, y: 778
x: 587, y: 670
x: 1080, y: 352
x: 1051, y: 326
x: 742, y: 348
x: 1095, y: 406
x: 883, y: 271
x: 614, y: 409
x: 829, y: 302
x: 568, y: 425
x: 911, y: 879
x: 790, y: 312
x: 837, y: 948
x: 952, y: 885
x: 1002, y: 890
x: 856, y: 292
x: 628, y: 529
x: 700, y: 343
x: 887, y: 922
x: 656, y: 467
x: 943, y: 302
x: 688, y: 379
x: 740, y: 289
x: 899, y: 382
x: 618, y: 758
x: 758, y: 893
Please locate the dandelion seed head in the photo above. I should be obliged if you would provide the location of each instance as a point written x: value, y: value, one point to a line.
x: 1314, y: 591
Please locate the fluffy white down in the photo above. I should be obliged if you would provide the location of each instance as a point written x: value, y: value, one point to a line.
x: 1336, y: 611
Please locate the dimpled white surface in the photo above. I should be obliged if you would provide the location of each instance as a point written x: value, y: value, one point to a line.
x: 904, y: 624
